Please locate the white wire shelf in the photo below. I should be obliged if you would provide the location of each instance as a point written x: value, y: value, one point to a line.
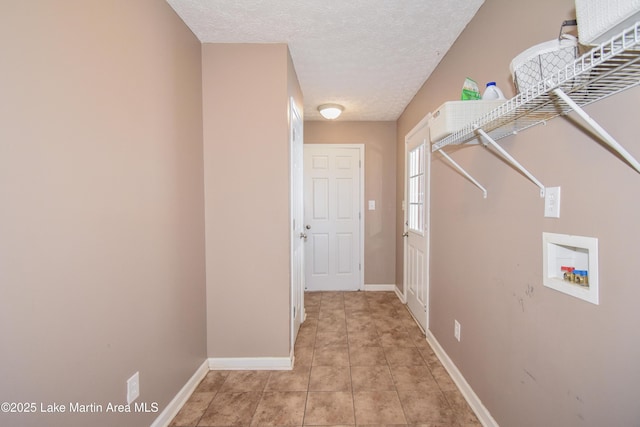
x: 607, y: 69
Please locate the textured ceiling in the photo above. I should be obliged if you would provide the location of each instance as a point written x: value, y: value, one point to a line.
x: 371, y: 56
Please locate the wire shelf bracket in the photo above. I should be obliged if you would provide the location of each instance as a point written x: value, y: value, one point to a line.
x: 465, y: 173
x: 511, y: 160
x: 606, y: 137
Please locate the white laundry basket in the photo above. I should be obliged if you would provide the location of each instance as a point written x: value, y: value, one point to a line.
x: 544, y: 60
x: 599, y: 20
x: 454, y: 115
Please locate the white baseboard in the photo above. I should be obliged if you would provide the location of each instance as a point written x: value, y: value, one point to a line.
x: 251, y: 363
x: 376, y: 288
x: 400, y: 294
x: 172, y: 409
x: 215, y: 363
x: 470, y: 396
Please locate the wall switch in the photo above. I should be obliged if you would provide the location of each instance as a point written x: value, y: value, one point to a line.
x: 372, y: 205
x: 456, y: 329
x: 552, y: 202
x: 133, y: 387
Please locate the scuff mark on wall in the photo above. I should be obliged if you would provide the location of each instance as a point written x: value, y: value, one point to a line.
x: 520, y: 301
x: 530, y: 375
x: 529, y: 291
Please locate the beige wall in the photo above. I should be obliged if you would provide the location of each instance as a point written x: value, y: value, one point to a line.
x: 380, y: 170
x: 534, y: 356
x: 246, y: 90
x: 102, y: 269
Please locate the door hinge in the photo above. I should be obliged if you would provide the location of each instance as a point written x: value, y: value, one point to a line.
x: 360, y: 267
x: 360, y: 164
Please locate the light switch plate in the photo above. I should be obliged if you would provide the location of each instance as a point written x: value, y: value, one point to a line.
x: 372, y: 205
x: 552, y: 202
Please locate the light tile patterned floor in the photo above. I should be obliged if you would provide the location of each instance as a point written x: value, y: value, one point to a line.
x: 360, y: 359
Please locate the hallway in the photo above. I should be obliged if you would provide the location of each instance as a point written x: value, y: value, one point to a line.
x: 360, y: 359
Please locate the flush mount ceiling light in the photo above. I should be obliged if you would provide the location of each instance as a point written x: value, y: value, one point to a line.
x: 330, y: 111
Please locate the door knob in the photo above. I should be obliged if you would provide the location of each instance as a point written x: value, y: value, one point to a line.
x: 405, y: 234
x: 303, y: 235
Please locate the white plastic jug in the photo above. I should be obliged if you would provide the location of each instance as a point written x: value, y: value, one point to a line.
x: 492, y: 92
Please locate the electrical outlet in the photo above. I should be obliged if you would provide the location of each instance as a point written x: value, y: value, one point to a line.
x: 552, y: 202
x: 456, y: 329
x: 133, y: 387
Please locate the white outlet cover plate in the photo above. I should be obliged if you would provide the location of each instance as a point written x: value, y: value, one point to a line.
x: 552, y: 202
x: 133, y: 387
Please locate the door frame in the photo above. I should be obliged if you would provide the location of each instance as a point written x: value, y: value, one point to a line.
x: 294, y: 237
x: 361, y: 154
x: 427, y: 212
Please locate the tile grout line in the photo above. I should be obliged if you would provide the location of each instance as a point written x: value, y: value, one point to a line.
x: 313, y: 353
x: 211, y: 402
x: 353, y: 397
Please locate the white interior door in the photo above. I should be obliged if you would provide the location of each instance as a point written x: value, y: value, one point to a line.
x: 416, y: 236
x: 333, y: 211
x: 297, y: 220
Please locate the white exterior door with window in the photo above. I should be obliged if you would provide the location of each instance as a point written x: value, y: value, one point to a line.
x: 416, y: 235
x: 333, y: 217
